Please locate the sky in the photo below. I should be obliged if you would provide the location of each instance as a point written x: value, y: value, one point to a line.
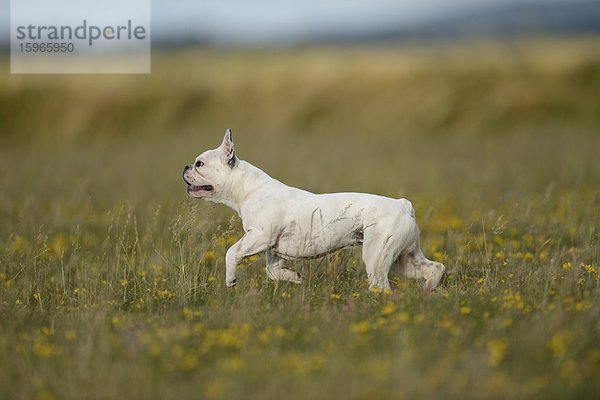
x: 280, y: 21
x: 257, y: 22
x: 267, y: 20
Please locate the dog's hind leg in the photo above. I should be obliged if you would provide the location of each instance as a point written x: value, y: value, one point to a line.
x: 277, y: 271
x: 378, y: 255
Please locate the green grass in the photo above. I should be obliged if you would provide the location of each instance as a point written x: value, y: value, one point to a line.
x: 112, y: 279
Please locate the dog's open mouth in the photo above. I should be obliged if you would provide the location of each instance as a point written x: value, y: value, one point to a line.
x: 203, y: 188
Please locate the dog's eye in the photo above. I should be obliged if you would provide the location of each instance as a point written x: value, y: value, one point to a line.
x: 199, y: 164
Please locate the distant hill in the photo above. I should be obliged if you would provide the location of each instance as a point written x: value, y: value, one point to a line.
x: 561, y: 18
x: 568, y: 18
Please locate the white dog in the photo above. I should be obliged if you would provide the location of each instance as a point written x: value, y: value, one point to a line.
x: 288, y: 223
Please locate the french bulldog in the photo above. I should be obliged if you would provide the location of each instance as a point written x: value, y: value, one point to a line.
x: 289, y: 223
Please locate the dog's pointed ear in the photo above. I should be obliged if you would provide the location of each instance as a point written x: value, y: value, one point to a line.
x: 227, y: 149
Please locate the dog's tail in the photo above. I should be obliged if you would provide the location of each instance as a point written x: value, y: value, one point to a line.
x: 407, y: 206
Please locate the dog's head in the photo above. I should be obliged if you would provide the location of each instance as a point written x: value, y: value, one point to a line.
x: 208, y: 175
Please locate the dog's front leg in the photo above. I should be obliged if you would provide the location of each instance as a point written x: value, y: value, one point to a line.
x: 251, y: 243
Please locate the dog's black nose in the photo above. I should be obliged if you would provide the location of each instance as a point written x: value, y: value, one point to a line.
x: 185, y: 169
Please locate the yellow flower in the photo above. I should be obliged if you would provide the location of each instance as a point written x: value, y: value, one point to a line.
x: 384, y: 291
x: 403, y: 316
x: 70, y: 334
x: 589, y: 268
x: 47, y: 331
x: 231, y: 364
x: 583, y: 305
x: 559, y: 343
x: 499, y: 240
x: 188, y: 361
x: 58, y: 244
x: 231, y: 239
x: 19, y: 244
x: 165, y: 294
x: 497, y: 351
x: 279, y: 331
x: 209, y: 256
x: 388, y: 309
x: 569, y: 370
x: 187, y: 313
x: 42, y: 348
x: 227, y: 338
x: 513, y: 300
x: 465, y: 310
x: 215, y: 389
x: 360, y: 327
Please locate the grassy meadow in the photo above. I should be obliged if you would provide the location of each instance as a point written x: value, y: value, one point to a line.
x: 112, y: 279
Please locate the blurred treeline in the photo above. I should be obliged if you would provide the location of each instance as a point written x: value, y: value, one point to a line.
x: 435, y: 89
x: 501, y: 120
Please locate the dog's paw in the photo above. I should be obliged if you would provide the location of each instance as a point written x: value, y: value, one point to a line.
x: 297, y: 279
x: 231, y: 283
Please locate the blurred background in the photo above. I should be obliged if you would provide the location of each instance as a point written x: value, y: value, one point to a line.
x: 271, y: 23
x: 504, y: 91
